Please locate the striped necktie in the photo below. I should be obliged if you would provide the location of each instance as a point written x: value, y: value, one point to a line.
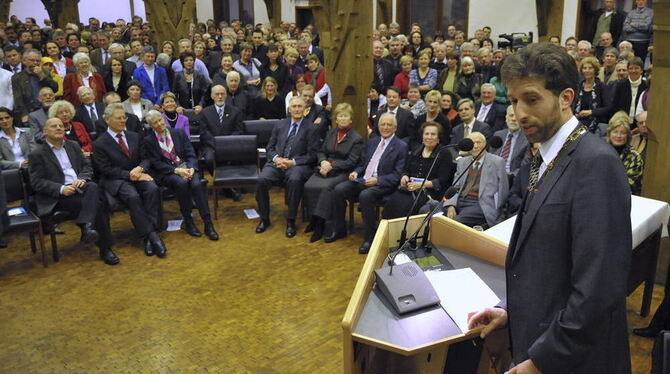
x: 535, y: 170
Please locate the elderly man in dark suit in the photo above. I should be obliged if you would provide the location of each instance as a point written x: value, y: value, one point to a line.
x: 218, y: 119
x: 118, y: 161
x: 484, y: 189
x: 89, y: 111
x: 26, y: 84
x: 405, y: 127
x: 100, y: 56
x: 62, y: 180
x: 515, y: 145
x: 376, y: 176
x: 383, y: 70
x: 291, y: 154
x: 466, y: 110
x: 487, y: 110
x: 316, y: 114
x: 566, y: 283
x: 38, y: 117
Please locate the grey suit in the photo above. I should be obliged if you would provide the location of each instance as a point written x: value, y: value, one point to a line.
x: 37, y: 119
x: 517, y: 153
x: 146, y: 107
x: 7, y: 158
x: 493, y: 186
x: 567, y: 263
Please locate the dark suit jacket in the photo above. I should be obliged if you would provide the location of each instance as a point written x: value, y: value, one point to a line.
x: 457, y: 132
x: 347, y: 155
x: 161, y: 166
x: 318, y: 111
x: 389, y: 73
x: 122, y: 89
x: 391, y: 165
x: 566, y: 280
x: 518, y: 153
x: 622, y: 96
x: 46, y: 174
x: 210, y: 127
x: 25, y: 100
x: 405, y: 119
x: 199, y: 89
x: 616, y: 23
x: 133, y: 124
x: 96, y: 58
x: 82, y: 115
x: 240, y: 99
x: 495, y: 118
x: 112, y: 165
x: 304, y: 145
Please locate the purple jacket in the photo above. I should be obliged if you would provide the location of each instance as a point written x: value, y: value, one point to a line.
x: 182, y: 123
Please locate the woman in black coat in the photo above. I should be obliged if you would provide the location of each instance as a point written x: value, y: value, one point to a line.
x: 189, y: 85
x: 116, y: 79
x: 338, y: 156
x: 416, y: 169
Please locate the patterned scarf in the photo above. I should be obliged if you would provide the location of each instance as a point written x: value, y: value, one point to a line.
x: 167, y: 146
x: 589, y: 121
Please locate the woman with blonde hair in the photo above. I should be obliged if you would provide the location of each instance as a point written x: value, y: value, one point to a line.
x: 269, y: 105
x: 619, y: 136
x: 76, y: 131
x: 589, y: 103
x: 424, y: 76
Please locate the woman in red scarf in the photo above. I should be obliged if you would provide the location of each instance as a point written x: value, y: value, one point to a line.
x: 338, y: 156
x: 84, y: 76
x: 76, y: 131
x: 316, y: 76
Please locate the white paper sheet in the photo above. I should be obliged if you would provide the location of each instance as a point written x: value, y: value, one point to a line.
x: 461, y: 291
x: 251, y: 213
x: 174, y: 225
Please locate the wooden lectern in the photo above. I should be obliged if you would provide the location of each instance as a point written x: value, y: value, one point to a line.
x: 376, y: 340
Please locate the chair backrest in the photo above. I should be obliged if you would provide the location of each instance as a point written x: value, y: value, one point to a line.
x: 236, y: 149
x: 13, y: 185
x: 193, y: 121
x: 262, y: 129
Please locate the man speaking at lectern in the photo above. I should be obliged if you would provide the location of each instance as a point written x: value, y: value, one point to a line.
x: 568, y: 258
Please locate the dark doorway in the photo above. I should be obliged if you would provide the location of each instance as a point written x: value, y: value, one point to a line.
x: 227, y: 10
x: 303, y: 17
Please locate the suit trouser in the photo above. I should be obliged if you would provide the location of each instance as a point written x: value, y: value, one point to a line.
x: 187, y: 192
x: 142, y: 199
x: 469, y: 212
x: 293, y: 178
x: 369, y: 198
x: 89, y: 209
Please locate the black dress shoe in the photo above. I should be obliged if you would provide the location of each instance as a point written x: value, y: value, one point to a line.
x: 209, y: 230
x: 108, y: 256
x: 88, y: 233
x: 148, y: 248
x: 262, y: 226
x: 364, y: 248
x: 157, y: 244
x: 290, y: 229
x: 646, y: 332
x: 190, y: 228
x: 334, y: 236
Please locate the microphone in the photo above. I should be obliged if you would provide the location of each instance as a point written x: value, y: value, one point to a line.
x: 465, y: 145
x: 495, y: 142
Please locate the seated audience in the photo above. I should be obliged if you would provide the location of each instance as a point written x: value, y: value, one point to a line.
x: 16, y: 143
x: 628, y: 91
x: 84, y: 72
x: 291, y: 155
x: 174, y: 164
x: 337, y: 157
x: 116, y: 79
x: 68, y: 185
x: 173, y: 118
x: 151, y: 77
x: 293, y: 70
x: 75, y: 131
x: 238, y: 95
x: 589, y: 104
x: 424, y: 76
x: 447, y: 104
x: 316, y: 114
x: 122, y: 170
x: 276, y: 69
x: 38, y: 117
x: 470, y: 124
x: 402, y: 79
x: 89, y: 111
x: 468, y: 82
x: 25, y: 83
x: 619, y: 136
x: 300, y: 82
x: 414, y: 103
x: 135, y: 103
x: 249, y: 67
x: 482, y: 192
x: 404, y: 119
x: 487, y: 110
x: 417, y: 165
x: 269, y: 105
x: 133, y: 123
x: 448, y: 75
x: 218, y: 119
x: 189, y: 85
x: 225, y: 68
x: 376, y: 176
x: 48, y: 64
x: 433, y: 114
x: 515, y: 145
x: 376, y: 101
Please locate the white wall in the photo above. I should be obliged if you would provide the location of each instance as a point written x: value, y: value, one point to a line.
x: 569, y: 27
x: 205, y: 10
x: 260, y: 12
x: 287, y: 10
x: 503, y: 18
x: 99, y: 9
x: 29, y: 8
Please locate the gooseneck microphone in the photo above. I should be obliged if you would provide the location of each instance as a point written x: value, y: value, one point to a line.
x: 464, y: 145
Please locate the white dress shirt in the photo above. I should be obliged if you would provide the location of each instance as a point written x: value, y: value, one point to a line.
x: 549, y: 149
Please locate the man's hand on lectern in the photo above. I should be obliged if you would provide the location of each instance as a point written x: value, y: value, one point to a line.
x: 491, y: 318
x: 526, y: 367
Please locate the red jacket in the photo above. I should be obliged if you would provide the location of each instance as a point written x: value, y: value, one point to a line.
x: 72, y: 82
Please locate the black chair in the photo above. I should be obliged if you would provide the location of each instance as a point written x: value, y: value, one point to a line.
x: 16, y: 191
x: 193, y: 121
x: 263, y: 131
x: 235, y: 163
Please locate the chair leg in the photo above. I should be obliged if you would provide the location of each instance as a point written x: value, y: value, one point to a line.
x: 40, y: 234
x: 351, y: 215
x: 33, y: 247
x: 215, y: 191
x: 54, y: 246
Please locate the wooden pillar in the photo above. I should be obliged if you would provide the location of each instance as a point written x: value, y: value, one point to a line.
x: 62, y: 12
x: 274, y: 11
x: 170, y: 19
x: 346, y: 38
x: 384, y: 12
x: 4, y: 10
x: 657, y: 171
x: 549, y: 19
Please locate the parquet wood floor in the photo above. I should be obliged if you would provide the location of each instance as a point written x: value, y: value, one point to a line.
x: 249, y: 303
